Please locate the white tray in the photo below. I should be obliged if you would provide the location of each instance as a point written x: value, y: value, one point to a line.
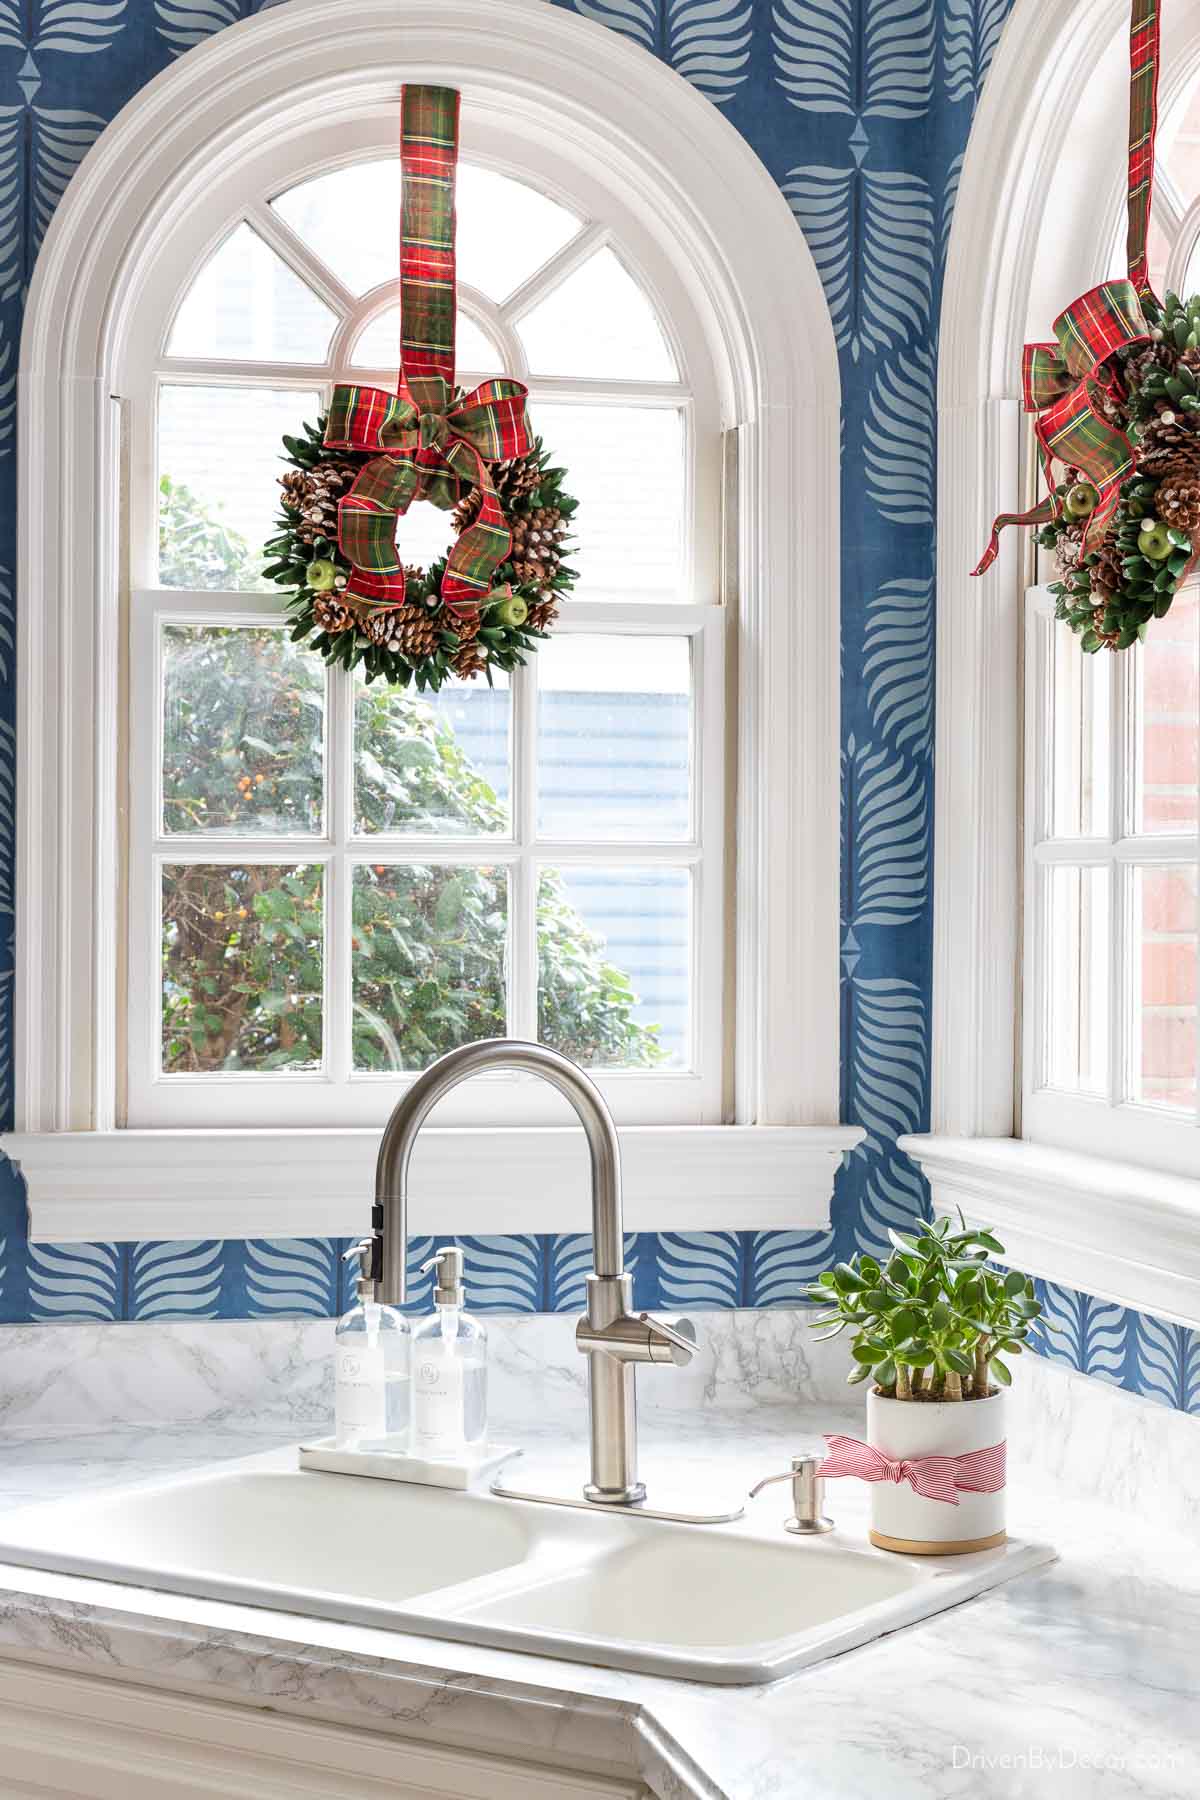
x: 397, y: 1465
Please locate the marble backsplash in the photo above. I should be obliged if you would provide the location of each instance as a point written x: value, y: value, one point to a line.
x: 245, y: 1372
x: 1087, y: 1438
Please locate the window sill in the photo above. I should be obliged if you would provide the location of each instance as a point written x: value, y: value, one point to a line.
x: 1117, y: 1230
x: 120, y: 1185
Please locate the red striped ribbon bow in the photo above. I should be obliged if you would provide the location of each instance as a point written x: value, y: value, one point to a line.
x: 933, y: 1477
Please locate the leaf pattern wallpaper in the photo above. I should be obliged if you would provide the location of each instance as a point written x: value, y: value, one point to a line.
x: 861, y: 110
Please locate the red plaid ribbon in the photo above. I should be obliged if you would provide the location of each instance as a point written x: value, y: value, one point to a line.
x: 1143, y: 125
x: 1063, y: 382
x: 933, y: 1477
x: 430, y: 442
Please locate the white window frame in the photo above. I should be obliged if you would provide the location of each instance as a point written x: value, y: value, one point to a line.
x: 1023, y: 245
x: 1108, y: 1124
x: 695, y: 1095
x: 570, y: 88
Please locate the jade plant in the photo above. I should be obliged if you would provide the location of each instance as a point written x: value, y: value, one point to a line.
x: 933, y: 1322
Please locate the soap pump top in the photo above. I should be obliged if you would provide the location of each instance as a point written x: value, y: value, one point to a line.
x: 448, y: 1288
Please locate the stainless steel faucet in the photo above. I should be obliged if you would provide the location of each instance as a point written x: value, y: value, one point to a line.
x: 612, y: 1336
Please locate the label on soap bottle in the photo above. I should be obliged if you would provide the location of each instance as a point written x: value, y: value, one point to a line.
x: 438, y: 1404
x: 360, y: 1399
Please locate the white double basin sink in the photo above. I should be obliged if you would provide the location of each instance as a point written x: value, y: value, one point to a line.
x: 723, y: 1603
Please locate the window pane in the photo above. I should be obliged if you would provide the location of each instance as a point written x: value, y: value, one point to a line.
x: 246, y: 302
x: 1079, y: 762
x: 614, y: 737
x: 1164, y: 1027
x: 437, y: 763
x: 243, y: 729
x: 1169, y: 719
x: 428, y: 957
x: 378, y: 345
x: 218, y: 465
x: 614, y: 960
x: 506, y: 230
x: 242, y: 967
x: 1077, y: 955
x: 598, y: 323
x: 625, y: 464
x: 1179, y: 146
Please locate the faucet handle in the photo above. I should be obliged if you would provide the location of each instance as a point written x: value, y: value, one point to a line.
x: 670, y: 1343
x: 808, y: 1518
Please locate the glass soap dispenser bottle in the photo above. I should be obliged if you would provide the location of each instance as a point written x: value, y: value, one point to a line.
x: 449, y: 1369
x: 372, y: 1365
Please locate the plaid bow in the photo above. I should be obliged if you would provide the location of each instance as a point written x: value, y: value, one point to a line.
x: 1064, y: 383
x: 428, y: 441
x: 431, y: 444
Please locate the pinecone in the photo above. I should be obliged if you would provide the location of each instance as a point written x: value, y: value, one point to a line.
x: 1106, y: 571
x: 1165, y: 439
x: 542, y: 614
x: 1178, y: 503
x: 513, y: 481
x: 331, y: 615
x: 1145, y: 371
x: 537, y: 547
x: 468, y: 662
x: 1068, y: 548
x: 466, y: 625
x: 410, y: 630
x: 313, y: 494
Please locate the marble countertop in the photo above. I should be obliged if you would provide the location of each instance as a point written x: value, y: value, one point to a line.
x: 1080, y: 1680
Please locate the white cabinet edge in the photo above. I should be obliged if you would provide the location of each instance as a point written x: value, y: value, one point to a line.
x: 1114, y: 1230
x: 118, y: 1185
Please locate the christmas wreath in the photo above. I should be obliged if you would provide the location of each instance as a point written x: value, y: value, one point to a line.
x: 354, y: 474
x: 1117, y: 396
x: 421, y: 639
x: 1109, y: 592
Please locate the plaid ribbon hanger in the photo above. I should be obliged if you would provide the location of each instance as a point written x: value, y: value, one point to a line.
x: 1065, y: 382
x: 431, y: 442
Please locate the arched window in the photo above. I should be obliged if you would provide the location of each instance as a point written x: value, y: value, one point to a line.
x: 1065, y: 1102
x: 302, y: 888
x: 331, y: 883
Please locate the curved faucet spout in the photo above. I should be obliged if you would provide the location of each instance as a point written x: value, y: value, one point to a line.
x: 411, y: 1111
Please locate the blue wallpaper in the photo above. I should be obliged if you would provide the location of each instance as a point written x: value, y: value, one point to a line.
x: 861, y: 110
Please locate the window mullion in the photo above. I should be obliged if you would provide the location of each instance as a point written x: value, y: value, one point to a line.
x: 1122, y: 825
x: 339, y: 779
x: 523, y: 957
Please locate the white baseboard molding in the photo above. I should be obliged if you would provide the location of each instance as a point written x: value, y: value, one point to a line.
x: 1116, y: 1230
x: 120, y: 1185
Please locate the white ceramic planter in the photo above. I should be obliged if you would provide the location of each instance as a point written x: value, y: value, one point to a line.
x: 904, y: 1520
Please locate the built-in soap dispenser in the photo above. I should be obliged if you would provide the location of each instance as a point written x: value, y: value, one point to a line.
x: 372, y: 1366
x: 449, y: 1368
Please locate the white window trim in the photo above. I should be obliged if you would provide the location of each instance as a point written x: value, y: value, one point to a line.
x: 1022, y: 246
x: 751, y: 272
